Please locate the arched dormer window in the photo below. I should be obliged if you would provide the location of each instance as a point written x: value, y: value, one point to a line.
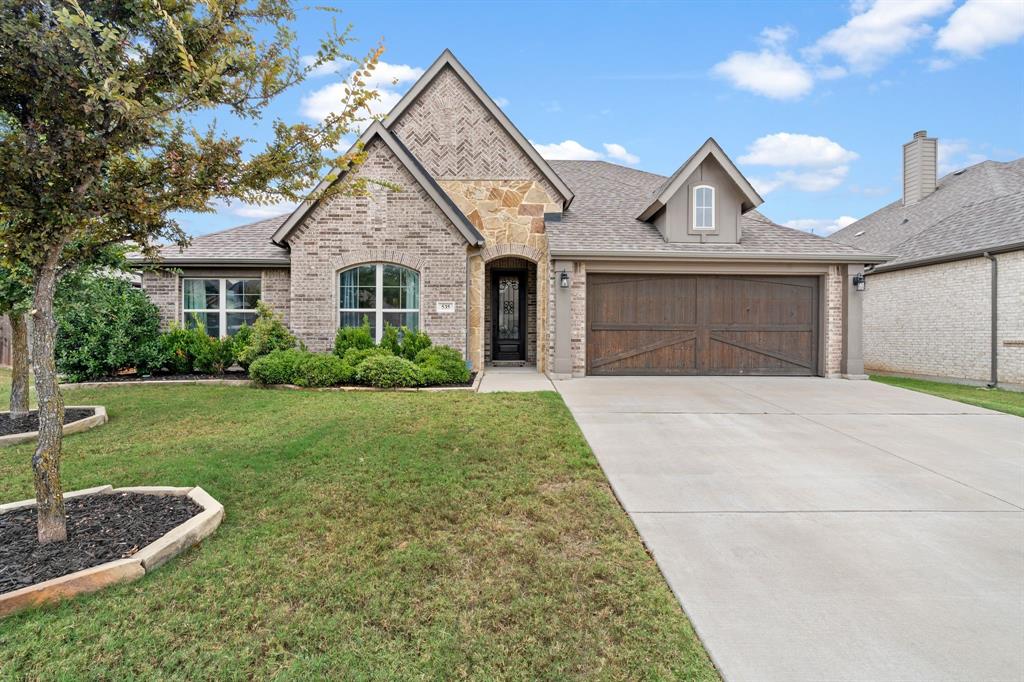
x: 703, y: 207
x: 381, y: 292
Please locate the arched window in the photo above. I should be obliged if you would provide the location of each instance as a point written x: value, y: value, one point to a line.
x: 381, y: 292
x: 703, y: 207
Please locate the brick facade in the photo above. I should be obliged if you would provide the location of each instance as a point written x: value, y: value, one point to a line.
x: 833, y: 327
x: 935, y: 321
x: 402, y: 226
x: 163, y: 286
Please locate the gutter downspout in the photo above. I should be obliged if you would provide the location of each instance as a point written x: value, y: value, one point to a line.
x: 994, y: 378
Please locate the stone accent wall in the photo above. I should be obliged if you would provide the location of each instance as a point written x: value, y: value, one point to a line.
x: 404, y: 227
x: 935, y: 321
x: 510, y: 215
x: 452, y: 134
x: 578, y: 343
x: 164, y: 291
x: 833, y: 326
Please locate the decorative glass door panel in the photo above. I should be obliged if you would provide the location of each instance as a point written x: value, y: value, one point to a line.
x: 508, y: 312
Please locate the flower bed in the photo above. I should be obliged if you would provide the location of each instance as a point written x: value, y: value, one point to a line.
x: 23, y: 429
x: 113, y: 536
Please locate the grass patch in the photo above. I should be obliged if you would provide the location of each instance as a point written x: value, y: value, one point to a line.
x: 367, y: 536
x: 1010, y: 402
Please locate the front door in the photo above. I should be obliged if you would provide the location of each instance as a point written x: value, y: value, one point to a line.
x: 508, y: 315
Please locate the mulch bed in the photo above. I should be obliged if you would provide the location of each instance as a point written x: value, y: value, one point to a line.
x: 130, y: 378
x: 101, y: 528
x: 30, y: 422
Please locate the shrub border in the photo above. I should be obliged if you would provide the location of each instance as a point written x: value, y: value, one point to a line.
x: 248, y: 382
x: 99, y: 417
x: 149, y: 558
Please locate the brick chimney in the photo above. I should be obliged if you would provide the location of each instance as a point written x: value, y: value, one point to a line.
x: 919, y: 165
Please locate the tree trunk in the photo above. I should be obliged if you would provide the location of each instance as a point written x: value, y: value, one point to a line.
x: 19, y: 364
x: 46, y: 460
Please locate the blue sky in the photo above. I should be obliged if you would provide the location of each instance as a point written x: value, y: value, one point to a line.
x: 813, y: 100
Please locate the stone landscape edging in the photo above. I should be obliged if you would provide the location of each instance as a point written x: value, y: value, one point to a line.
x: 248, y: 382
x: 98, y: 417
x: 150, y: 557
x: 158, y: 382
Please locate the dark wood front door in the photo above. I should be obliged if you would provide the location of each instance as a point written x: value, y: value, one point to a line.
x: 508, y: 315
x: 702, y: 324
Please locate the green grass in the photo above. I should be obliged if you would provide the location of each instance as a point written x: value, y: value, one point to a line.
x: 368, y: 536
x: 1010, y: 402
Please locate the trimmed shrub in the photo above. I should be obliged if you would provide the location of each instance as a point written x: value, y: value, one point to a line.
x: 268, y: 334
x: 317, y: 370
x: 389, y: 340
x: 353, y: 337
x: 277, y: 367
x: 413, y: 342
x: 241, y: 339
x: 105, y: 325
x: 388, y: 371
x: 176, y: 349
x: 442, y: 365
x: 355, y: 356
x: 210, y: 355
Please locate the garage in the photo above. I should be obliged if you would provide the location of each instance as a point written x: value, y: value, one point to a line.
x: 702, y: 324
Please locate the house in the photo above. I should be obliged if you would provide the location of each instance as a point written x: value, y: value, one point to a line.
x: 949, y: 304
x: 575, y: 267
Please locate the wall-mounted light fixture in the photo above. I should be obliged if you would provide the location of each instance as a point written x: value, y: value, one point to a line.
x: 563, y: 279
x: 859, y: 282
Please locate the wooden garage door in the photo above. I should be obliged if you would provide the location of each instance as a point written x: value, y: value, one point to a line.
x: 702, y: 324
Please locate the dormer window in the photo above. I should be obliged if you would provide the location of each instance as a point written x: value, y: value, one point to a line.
x: 703, y: 207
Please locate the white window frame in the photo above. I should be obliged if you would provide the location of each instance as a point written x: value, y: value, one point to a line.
x: 222, y: 302
x: 379, y: 310
x: 713, y: 225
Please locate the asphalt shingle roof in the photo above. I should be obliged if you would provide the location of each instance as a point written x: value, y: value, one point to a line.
x: 979, y: 208
x: 245, y: 243
x: 602, y: 218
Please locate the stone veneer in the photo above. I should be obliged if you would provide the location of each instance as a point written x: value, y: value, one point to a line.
x: 510, y: 216
x: 833, y: 326
x: 402, y: 226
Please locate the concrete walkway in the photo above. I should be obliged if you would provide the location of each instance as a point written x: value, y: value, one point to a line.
x: 516, y: 379
x: 821, y: 529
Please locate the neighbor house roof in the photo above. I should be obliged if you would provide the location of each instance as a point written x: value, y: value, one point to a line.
x: 447, y: 59
x: 243, y: 245
x: 978, y: 209
x: 440, y: 197
x: 602, y: 222
x: 669, y: 187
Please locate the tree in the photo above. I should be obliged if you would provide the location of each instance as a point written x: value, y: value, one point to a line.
x: 15, y: 295
x: 96, y: 148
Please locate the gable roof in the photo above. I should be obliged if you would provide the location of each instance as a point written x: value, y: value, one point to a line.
x: 660, y: 196
x: 447, y: 59
x: 971, y: 211
x: 243, y: 245
x: 439, y: 196
x: 602, y: 223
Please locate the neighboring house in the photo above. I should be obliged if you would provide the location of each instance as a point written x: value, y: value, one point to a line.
x: 576, y: 267
x: 949, y: 304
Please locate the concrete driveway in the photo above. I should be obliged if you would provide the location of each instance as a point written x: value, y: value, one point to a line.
x: 821, y: 529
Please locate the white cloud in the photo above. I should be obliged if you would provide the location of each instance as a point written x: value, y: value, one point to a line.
x: 876, y: 33
x: 978, y: 25
x: 260, y: 212
x: 940, y: 64
x: 387, y: 79
x: 776, y: 36
x: 569, y: 149
x: 619, y: 153
x: 770, y: 72
x: 573, y: 150
x: 957, y: 154
x: 817, y: 180
x: 501, y: 101
x: 796, y: 149
x: 820, y: 226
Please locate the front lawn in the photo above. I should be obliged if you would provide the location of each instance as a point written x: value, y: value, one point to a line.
x: 368, y: 536
x: 1010, y: 402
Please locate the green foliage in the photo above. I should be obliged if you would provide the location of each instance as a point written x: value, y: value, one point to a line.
x: 269, y: 333
x: 212, y: 356
x: 355, y: 356
x: 105, y: 325
x: 187, y: 350
x: 15, y: 290
x: 389, y: 340
x: 240, y: 340
x: 322, y: 369
x: 278, y: 367
x: 388, y: 371
x: 441, y: 365
x: 353, y: 337
x: 175, y: 349
x: 413, y: 342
